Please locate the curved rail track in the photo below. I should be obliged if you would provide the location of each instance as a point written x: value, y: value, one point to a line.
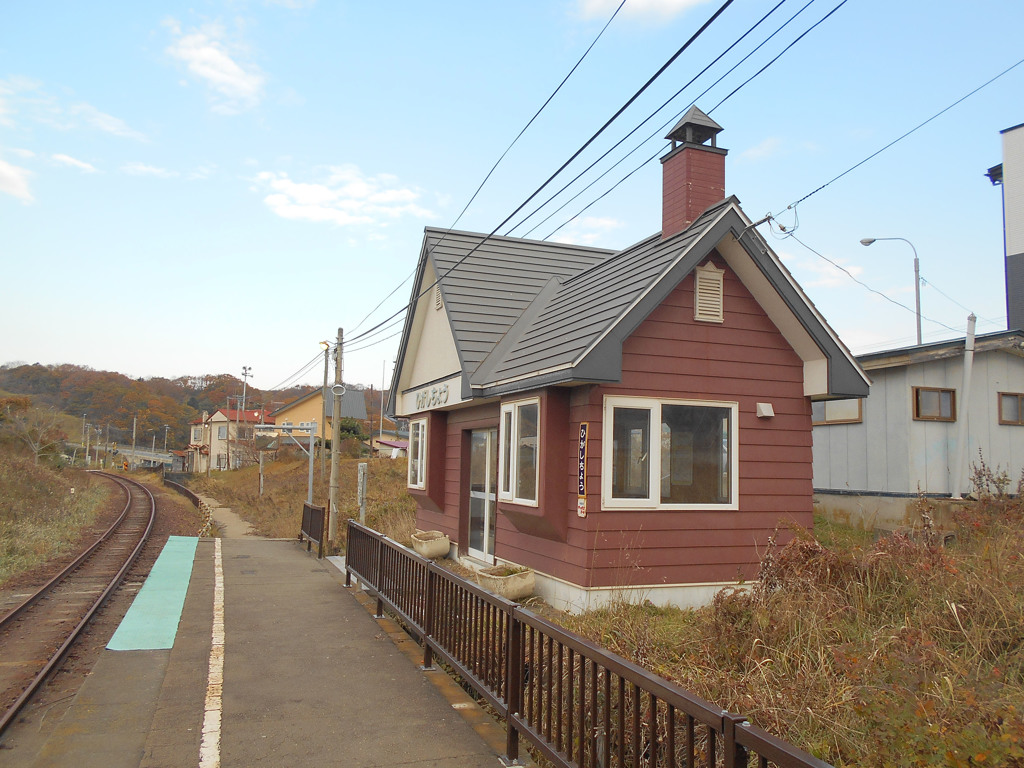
x: 36, y: 635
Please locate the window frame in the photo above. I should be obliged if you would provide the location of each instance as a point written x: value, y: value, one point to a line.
x: 222, y: 432
x: 508, y: 483
x: 653, y: 499
x: 419, y: 460
x: 915, y: 404
x: 1020, y: 408
x: 828, y: 422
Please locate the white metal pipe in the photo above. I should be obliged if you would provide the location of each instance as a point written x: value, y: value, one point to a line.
x: 965, y: 390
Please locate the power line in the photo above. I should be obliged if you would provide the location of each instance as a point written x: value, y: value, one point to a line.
x: 905, y: 135
x: 507, y: 150
x: 864, y: 285
x: 617, y: 144
x: 301, y: 372
x: 733, y: 93
x: 576, y: 154
x: 728, y: 72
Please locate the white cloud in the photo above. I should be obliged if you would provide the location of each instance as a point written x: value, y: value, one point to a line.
x: 210, y: 57
x: 14, y: 181
x: 346, y: 197
x: 21, y: 152
x: 79, y: 164
x: 141, y: 169
x: 588, y: 230
x: 657, y: 10
x: 767, y: 148
x: 104, y: 122
x: 818, y: 273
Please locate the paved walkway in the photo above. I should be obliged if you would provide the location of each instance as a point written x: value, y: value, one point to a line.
x: 310, y: 678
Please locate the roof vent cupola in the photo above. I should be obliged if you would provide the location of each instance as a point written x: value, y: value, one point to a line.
x: 693, y: 172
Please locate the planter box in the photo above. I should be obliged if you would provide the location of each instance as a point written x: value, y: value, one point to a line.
x: 511, y: 586
x: 431, y: 544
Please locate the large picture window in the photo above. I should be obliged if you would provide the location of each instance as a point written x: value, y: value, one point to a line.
x: 673, y: 454
x: 417, y: 454
x: 519, y: 452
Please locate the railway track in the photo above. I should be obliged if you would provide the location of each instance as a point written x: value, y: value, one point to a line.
x: 36, y: 635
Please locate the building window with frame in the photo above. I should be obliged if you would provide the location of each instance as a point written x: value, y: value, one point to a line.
x: 222, y: 432
x: 417, y: 454
x: 519, y: 452
x: 669, y: 454
x: 934, y: 404
x: 197, y: 434
x: 846, y: 411
x: 1011, y: 408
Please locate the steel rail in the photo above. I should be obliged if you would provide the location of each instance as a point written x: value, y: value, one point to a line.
x: 61, y: 652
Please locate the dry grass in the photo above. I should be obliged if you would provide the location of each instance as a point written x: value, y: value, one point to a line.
x: 278, y: 513
x: 40, y: 517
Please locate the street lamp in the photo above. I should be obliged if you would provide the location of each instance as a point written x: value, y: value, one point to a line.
x: 917, y: 276
x: 166, y: 428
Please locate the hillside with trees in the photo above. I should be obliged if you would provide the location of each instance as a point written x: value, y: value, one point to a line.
x: 111, y: 400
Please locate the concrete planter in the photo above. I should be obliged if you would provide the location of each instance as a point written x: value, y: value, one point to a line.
x: 508, y: 582
x: 431, y: 544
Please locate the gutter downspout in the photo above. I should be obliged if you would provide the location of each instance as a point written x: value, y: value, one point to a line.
x: 961, y: 441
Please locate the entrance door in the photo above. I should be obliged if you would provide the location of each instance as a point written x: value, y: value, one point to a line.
x: 483, y: 492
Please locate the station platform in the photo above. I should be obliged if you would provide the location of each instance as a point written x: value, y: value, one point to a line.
x: 302, y: 675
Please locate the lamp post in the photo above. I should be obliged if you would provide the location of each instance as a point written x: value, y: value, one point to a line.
x: 917, y: 276
x: 166, y: 428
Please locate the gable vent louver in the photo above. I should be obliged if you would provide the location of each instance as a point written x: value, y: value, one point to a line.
x: 437, y: 296
x: 709, y: 291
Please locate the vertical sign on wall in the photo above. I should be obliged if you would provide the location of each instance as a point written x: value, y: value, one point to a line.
x: 581, y: 500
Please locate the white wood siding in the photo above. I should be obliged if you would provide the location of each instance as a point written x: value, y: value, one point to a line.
x: 890, y: 452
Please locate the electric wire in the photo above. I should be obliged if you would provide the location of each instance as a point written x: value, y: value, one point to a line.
x: 503, y: 154
x: 664, y: 125
x: 905, y: 135
x: 651, y: 116
x: 576, y: 154
x: 867, y: 287
x: 301, y: 372
x: 733, y: 93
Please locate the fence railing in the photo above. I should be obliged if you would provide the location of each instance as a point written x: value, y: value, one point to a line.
x: 173, y: 480
x: 580, y: 705
x: 312, y: 529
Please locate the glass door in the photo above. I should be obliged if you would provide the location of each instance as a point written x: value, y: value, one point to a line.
x: 483, y: 486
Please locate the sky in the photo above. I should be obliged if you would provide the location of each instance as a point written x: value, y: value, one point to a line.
x: 190, y: 188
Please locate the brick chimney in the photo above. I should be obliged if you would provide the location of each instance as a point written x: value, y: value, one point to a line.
x: 693, y: 173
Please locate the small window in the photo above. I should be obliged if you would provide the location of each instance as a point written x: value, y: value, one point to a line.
x: 417, y: 454
x: 519, y: 449
x: 709, y: 288
x: 1011, y: 408
x: 222, y: 432
x: 931, y: 404
x: 669, y: 454
x: 197, y: 434
x: 846, y: 411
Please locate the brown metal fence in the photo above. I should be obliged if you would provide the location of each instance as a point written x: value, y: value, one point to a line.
x: 578, y: 704
x: 312, y: 528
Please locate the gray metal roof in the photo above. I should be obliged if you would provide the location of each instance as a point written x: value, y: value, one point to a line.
x: 353, y: 404
x: 489, y: 291
x: 526, y: 314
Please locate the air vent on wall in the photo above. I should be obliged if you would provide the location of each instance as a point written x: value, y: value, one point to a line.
x: 708, y: 297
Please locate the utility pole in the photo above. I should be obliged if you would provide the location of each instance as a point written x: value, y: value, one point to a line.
x: 326, y: 347
x: 135, y: 422
x: 338, y: 390
x: 166, y: 428
x: 85, y: 439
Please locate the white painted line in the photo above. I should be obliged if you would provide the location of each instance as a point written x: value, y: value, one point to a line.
x: 209, y: 749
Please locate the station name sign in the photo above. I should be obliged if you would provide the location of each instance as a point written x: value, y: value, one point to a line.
x: 432, y: 397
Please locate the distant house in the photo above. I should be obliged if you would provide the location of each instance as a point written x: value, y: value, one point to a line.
x: 224, y: 440
x: 306, y: 410
x: 623, y: 422
x: 873, y: 458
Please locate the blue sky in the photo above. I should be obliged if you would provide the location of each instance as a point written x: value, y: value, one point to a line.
x: 190, y: 188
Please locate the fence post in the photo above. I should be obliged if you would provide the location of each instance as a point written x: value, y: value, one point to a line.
x: 735, y: 754
x: 428, y: 619
x: 361, y: 490
x: 378, y: 578
x: 513, y: 684
x: 348, y: 557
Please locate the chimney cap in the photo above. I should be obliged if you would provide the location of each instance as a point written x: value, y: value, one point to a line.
x: 695, y: 127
